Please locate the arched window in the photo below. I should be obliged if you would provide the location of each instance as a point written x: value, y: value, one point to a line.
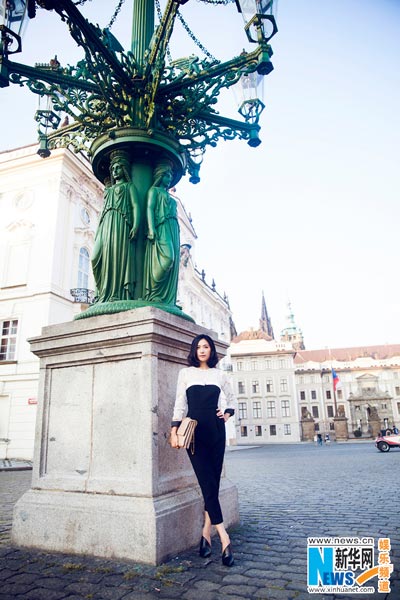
x: 83, y: 269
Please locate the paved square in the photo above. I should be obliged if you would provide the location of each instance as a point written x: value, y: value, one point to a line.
x: 286, y: 492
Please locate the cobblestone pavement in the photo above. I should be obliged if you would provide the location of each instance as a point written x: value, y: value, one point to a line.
x: 287, y: 493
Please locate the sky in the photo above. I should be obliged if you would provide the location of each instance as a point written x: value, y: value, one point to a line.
x: 312, y: 215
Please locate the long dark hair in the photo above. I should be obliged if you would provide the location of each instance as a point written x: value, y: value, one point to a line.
x: 192, y: 357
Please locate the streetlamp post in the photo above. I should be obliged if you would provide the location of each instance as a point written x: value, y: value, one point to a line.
x: 105, y: 481
x: 138, y: 104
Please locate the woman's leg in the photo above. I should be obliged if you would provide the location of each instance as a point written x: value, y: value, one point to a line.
x: 223, y: 535
x: 207, y: 527
x: 203, y: 461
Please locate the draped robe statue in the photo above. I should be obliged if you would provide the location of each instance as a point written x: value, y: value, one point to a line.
x: 162, y: 255
x: 113, y: 257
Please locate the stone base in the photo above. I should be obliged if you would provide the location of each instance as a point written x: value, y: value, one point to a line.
x: 341, y: 429
x: 146, y: 530
x: 105, y: 480
x: 307, y: 430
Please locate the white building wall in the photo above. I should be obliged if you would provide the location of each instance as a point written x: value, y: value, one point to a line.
x: 38, y: 229
x: 263, y: 373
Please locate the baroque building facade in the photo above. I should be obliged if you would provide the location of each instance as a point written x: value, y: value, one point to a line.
x: 369, y: 386
x: 49, y: 214
x: 287, y: 394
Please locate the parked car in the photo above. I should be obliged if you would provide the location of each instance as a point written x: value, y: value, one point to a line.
x: 385, y: 442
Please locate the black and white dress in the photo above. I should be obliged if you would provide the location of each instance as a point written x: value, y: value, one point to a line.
x: 200, y: 393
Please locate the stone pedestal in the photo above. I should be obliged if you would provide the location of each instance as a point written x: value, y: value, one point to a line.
x: 105, y: 480
x: 341, y: 429
x: 375, y: 426
x: 307, y: 429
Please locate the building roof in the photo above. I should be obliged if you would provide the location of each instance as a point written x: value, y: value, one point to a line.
x: 252, y: 334
x: 347, y: 354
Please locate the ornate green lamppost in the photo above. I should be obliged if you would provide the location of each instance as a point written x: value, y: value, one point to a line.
x: 144, y: 122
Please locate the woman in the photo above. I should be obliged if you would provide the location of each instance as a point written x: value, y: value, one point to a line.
x: 161, y: 263
x: 113, y: 257
x: 199, y: 397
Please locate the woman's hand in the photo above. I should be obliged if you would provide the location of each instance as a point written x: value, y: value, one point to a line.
x: 174, y: 439
x: 221, y: 415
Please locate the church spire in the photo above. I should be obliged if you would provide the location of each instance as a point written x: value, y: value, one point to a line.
x: 265, y: 321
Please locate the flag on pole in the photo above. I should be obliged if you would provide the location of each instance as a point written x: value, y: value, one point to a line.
x: 336, y: 380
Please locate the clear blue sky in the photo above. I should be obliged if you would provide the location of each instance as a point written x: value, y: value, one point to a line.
x: 313, y: 213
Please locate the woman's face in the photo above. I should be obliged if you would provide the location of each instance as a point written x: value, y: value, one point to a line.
x: 166, y: 179
x: 203, y: 351
x: 117, y: 170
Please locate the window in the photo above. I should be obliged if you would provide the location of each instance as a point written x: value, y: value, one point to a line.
x: 395, y: 375
x: 304, y: 412
x: 384, y: 406
x: 242, y: 410
x: 313, y: 395
x: 302, y: 395
x: 258, y: 430
x: 326, y: 378
x: 257, y: 410
x: 316, y: 427
x: 332, y: 426
x: 239, y: 366
x: 340, y: 394
x: 328, y: 394
x: 330, y: 410
x: 255, y: 387
x: 240, y: 387
x: 301, y: 379
x: 85, y: 216
x: 83, y: 269
x: 315, y: 412
x: 282, y: 363
x: 243, y: 431
x: 286, y: 430
x: 284, y: 384
x: 270, y: 387
x: 312, y: 378
x: 272, y: 430
x: 254, y: 365
x: 271, y: 410
x: 267, y: 364
x: 285, y: 408
x: 8, y: 339
x: 398, y: 407
x: 397, y: 390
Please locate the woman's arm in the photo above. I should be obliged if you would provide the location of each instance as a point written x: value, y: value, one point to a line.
x: 136, y: 213
x: 226, y: 387
x: 151, y: 206
x: 180, y: 407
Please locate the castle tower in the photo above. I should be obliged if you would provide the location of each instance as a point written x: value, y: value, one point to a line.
x: 292, y: 333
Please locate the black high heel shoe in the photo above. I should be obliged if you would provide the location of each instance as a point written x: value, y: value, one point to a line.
x: 227, y: 556
x: 205, y: 548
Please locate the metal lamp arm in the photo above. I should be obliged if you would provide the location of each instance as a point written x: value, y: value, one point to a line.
x: 79, y: 25
x: 251, y: 60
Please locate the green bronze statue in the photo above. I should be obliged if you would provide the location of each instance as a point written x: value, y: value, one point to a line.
x: 113, y: 257
x: 161, y: 263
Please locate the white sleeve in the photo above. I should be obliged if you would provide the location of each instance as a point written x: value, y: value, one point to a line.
x: 228, y: 393
x: 180, y: 408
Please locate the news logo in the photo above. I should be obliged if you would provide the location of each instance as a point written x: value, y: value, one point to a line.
x: 344, y: 564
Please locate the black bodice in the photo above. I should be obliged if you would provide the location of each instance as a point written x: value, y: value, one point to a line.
x: 202, y: 406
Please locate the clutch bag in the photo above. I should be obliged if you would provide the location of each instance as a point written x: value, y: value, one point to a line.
x: 185, y: 433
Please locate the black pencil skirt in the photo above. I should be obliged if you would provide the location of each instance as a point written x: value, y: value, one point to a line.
x: 209, y: 449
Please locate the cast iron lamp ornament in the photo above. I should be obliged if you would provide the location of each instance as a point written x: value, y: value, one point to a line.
x: 152, y: 112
